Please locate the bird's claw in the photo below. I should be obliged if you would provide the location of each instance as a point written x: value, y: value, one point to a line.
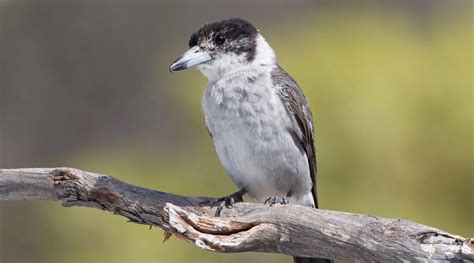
x: 284, y: 200
x: 227, y: 201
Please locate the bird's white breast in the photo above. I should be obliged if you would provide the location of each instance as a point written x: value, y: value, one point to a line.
x: 250, y: 128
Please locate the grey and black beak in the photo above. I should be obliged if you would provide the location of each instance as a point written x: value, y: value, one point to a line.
x: 190, y: 58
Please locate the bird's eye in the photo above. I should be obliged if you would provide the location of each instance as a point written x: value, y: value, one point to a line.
x: 220, y: 39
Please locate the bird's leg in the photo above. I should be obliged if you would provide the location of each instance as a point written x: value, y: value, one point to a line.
x: 278, y: 199
x: 229, y: 201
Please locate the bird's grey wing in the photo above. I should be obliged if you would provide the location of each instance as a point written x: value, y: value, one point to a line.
x: 298, y: 107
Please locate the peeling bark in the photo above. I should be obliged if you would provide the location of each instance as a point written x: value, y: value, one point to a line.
x: 287, y: 229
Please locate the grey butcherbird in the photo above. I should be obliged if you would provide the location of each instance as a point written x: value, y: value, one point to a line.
x: 257, y: 116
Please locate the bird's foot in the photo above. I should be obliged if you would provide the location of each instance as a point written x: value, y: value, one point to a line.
x: 284, y: 200
x: 228, y: 201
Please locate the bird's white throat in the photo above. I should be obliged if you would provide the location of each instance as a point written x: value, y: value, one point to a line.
x: 230, y: 63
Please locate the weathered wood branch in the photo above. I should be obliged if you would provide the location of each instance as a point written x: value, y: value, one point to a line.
x: 288, y: 229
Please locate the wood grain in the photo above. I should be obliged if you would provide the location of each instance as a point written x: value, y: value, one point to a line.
x: 287, y: 229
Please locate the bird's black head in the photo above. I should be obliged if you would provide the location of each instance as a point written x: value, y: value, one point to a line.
x: 220, y: 44
x: 233, y: 35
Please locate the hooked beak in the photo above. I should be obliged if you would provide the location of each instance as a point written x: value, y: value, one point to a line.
x: 190, y: 58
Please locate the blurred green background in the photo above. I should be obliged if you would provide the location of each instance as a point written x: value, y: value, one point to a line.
x: 86, y: 84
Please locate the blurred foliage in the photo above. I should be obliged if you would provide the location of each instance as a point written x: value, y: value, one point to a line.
x: 392, y: 99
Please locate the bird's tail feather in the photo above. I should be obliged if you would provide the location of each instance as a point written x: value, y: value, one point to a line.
x: 312, y: 260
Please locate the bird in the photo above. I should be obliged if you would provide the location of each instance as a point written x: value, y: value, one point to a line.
x: 257, y: 115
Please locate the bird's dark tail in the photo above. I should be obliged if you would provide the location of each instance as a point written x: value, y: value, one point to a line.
x: 311, y: 260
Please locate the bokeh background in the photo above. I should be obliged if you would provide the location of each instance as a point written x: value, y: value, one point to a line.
x: 86, y: 84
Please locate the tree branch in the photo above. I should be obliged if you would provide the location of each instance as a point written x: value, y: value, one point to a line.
x: 289, y: 229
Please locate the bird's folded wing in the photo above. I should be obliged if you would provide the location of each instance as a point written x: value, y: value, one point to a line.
x: 303, y: 131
